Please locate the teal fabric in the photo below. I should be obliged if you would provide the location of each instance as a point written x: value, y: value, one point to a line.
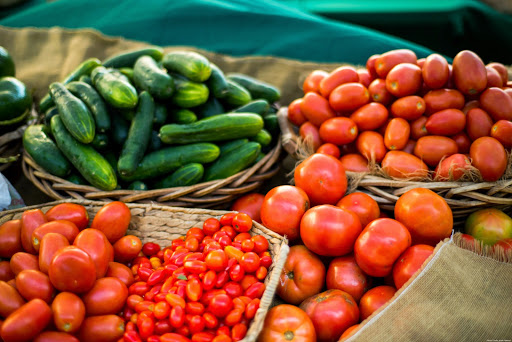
x: 236, y: 27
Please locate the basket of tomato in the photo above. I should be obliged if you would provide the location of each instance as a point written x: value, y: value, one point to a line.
x: 108, y: 271
x: 403, y: 122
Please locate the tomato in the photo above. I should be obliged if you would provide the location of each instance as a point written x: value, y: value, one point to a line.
x: 68, y: 312
x: 505, y: 245
x: 127, y: 248
x: 55, y: 336
x: 470, y: 105
x: 435, y: 71
x: 386, y: 61
x: 379, y: 93
x: 303, y: 275
x: 106, y: 297
x: 312, y: 81
x: 216, y: 260
x: 282, y: 210
x: 6, y: 273
x: 250, y: 204
x: 331, y: 312
x: 432, y: 148
x: 113, y: 220
x: 409, y: 262
x: 34, y: 284
x: 220, y: 305
x: 329, y: 231
x: 95, y: 243
x: 379, y: 246
x: 10, y: 238
x: 408, y: 107
x: 30, y: 220
x: 349, y: 97
x: 370, y: 116
x: 497, y: 103
x: 287, y: 323
x: 341, y: 75
x: 103, y: 328
x: 23, y: 261
x: 374, y: 298
x: 397, y: 134
x: 349, y: 332
x: 404, y: 79
x: 490, y: 158
x: 452, y: 168
x: 502, y: 131
x: 310, y: 135
x: 362, y: 204
x: 364, y: 77
x: 10, y: 299
x: 338, y: 131
x: 370, y: 66
x: 354, y: 162
x: 469, y: 74
x: 446, y: 122
x: 502, y: 71
x: 66, y: 228
x: 26, y: 322
x: 439, y: 99
x: 478, y: 123
x: 260, y: 243
x: 330, y: 149
x: 242, y: 222
x: 294, y: 113
x: 463, y: 142
x: 250, y: 262
x: 371, y: 145
x: 400, y: 164
x: 73, y: 212
x: 344, y: 274
x: 73, y: 270
x: 316, y: 108
x: 426, y: 215
x: 489, y: 225
x: 418, y: 128
x: 49, y: 245
x: 493, y: 78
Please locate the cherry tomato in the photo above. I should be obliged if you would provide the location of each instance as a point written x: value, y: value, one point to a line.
x: 10, y: 238
x: 68, y: 312
x: 260, y: 244
x: 250, y: 262
x: 150, y: 248
x: 242, y: 222
x: 73, y: 270
x: 26, y: 322
x: 72, y: 212
x: 361, y: 204
x: 211, y: 226
x: 220, y: 305
x: 113, y: 220
x: 409, y: 262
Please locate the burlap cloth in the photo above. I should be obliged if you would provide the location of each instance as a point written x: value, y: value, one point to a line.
x: 460, y: 296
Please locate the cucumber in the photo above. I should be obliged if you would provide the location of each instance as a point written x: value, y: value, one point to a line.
x: 85, y: 68
x: 186, y: 175
x: 91, y: 165
x: 94, y: 103
x: 232, y: 145
x: 74, y: 113
x: 260, y: 156
x: 190, y: 64
x: 113, y: 88
x: 271, y: 124
x: 49, y: 113
x: 148, y: 76
x: 169, y: 159
x: 15, y: 98
x: 85, y: 79
x: 161, y: 114
x: 217, y: 82
x: 76, y: 179
x: 111, y: 157
x: 189, y: 94
x: 100, y: 141
x: 119, y: 131
x: 7, y: 66
x: 264, y: 138
x: 183, y: 116
x: 154, y: 143
x: 232, y: 162
x: 236, y: 95
x: 137, y: 185
x: 260, y: 107
x: 138, y: 136
x: 127, y: 114
x: 210, y: 108
x: 128, y: 72
x: 258, y: 89
x: 39, y: 145
x: 215, y: 128
x: 127, y: 59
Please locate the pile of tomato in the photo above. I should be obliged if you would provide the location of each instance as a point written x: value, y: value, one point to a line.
x: 411, y: 116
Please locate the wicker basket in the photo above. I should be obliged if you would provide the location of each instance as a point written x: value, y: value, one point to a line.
x: 462, y: 197
x: 162, y: 224
x: 212, y: 194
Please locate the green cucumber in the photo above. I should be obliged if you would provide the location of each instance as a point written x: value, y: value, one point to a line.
x: 260, y: 156
x: 15, y: 98
x: 148, y: 76
x: 111, y: 157
x: 128, y: 72
x: 49, y: 113
x: 93, y: 101
x: 127, y: 59
x: 138, y: 136
x: 183, y: 116
x: 74, y: 113
x: 217, y: 82
x: 232, y: 162
x: 127, y: 114
x: 119, y: 131
x: 91, y: 165
x: 137, y: 185
x: 189, y: 94
x: 236, y: 95
x: 271, y: 124
x: 259, y: 106
x: 232, y: 145
x: 85, y: 68
x: 113, y: 88
x: 186, y: 175
x: 169, y: 159
x: 154, y: 143
x: 85, y: 79
x: 264, y: 138
x: 39, y: 145
x: 215, y: 128
x: 210, y: 108
x: 190, y: 64
x: 161, y: 114
x: 258, y: 88
x: 100, y: 141
x: 77, y: 179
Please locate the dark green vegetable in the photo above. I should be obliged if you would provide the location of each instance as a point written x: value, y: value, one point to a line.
x: 100, y: 141
x: 232, y: 162
x: 264, y: 138
x: 161, y: 114
x: 127, y: 59
x: 190, y: 64
x: 148, y: 76
x: 15, y: 98
x: 217, y: 82
x: 236, y: 95
x: 258, y: 88
x: 232, y: 145
x: 94, y: 103
x: 119, y: 131
x: 189, y: 94
x: 183, y: 116
x: 186, y: 175
x: 114, y: 89
x: 260, y: 107
x: 210, y: 108
x: 137, y: 185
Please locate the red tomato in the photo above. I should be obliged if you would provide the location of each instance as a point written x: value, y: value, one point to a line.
x: 370, y: 116
x: 329, y: 231
x: 386, y: 61
x: 242, y: 222
x: 250, y: 262
x: 26, y: 322
x: 30, y: 220
x: 344, y: 274
x: 463, y: 142
x: 469, y: 74
x: 220, y: 305
x: 33, y: 284
x: 73, y: 212
x: 316, y: 108
x: 250, y: 204
x: 410, y: 262
x: 364, y: 77
x: 106, y: 297
x: 354, y: 162
x: 312, y: 81
x: 435, y: 71
x: 10, y: 238
x: 338, y: 131
x: 432, y: 148
x: 303, y: 275
x: 502, y: 70
x: 452, y: 168
x: 490, y: 158
x: 283, y: 208
x: 404, y: 79
x: 371, y: 145
x: 73, y: 270
x: 68, y: 312
x: 397, y: 134
x: 418, y: 128
x: 349, y: 332
x: 379, y: 246
x: 101, y: 328
x: 361, y: 204
x: 426, y: 215
x: 400, y: 164
x: 497, y: 103
x: 310, y: 135
x: 446, y: 122
x: 505, y: 245
x: 50, y: 244
x: 23, y: 261
x: 439, y: 99
x: 6, y: 273
x: 121, y: 272
x: 489, y: 225
x: 331, y: 312
x: 294, y: 113
x: 374, y: 298
x: 339, y: 76
x: 502, y: 131
x: 470, y: 105
x: 370, y: 66
x: 379, y: 93
x: 55, y: 336
x: 95, y: 243
x: 10, y: 299
x: 349, y: 97
x: 408, y: 107
x: 216, y: 260
x: 493, y: 78
x: 478, y: 123
x: 65, y: 228
x: 127, y: 248
x: 287, y: 323
x: 329, y: 149
x: 113, y: 220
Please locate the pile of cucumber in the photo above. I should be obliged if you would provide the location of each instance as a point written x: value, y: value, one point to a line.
x: 146, y: 119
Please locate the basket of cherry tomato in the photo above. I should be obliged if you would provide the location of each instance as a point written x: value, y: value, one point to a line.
x: 403, y: 122
x: 79, y: 270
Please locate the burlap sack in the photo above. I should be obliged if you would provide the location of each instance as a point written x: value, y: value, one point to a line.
x: 459, y: 296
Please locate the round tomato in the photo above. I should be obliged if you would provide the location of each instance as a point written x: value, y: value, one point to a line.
x: 96, y: 244
x: 331, y: 312
x: 349, y: 332
x: 127, y: 248
x: 490, y: 158
x: 73, y: 270
x: 107, y: 296
x: 73, y: 212
x: 34, y: 284
x: 113, y: 219
x: 329, y: 231
x: 287, y: 323
x: 250, y: 204
x: 363, y: 205
x: 26, y: 322
x: 10, y: 238
x: 101, y: 328
x: 322, y: 177
x: 379, y: 246
x: 216, y: 260
x: 50, y: 244
x: 303, y: 275
x: 345, y: 274
x: 68, y: 312
x: 489, y: 225
x: 283, y: 208
x: 374, y: 298
x: 410, y: 262
x: 505, y: 245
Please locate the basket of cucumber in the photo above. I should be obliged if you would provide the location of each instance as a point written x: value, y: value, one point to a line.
x: 153, y: 126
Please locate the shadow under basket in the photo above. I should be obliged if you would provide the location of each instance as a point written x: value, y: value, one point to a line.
x: 462, y: 197
x: 212, y: 194
x: 162, y: 224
